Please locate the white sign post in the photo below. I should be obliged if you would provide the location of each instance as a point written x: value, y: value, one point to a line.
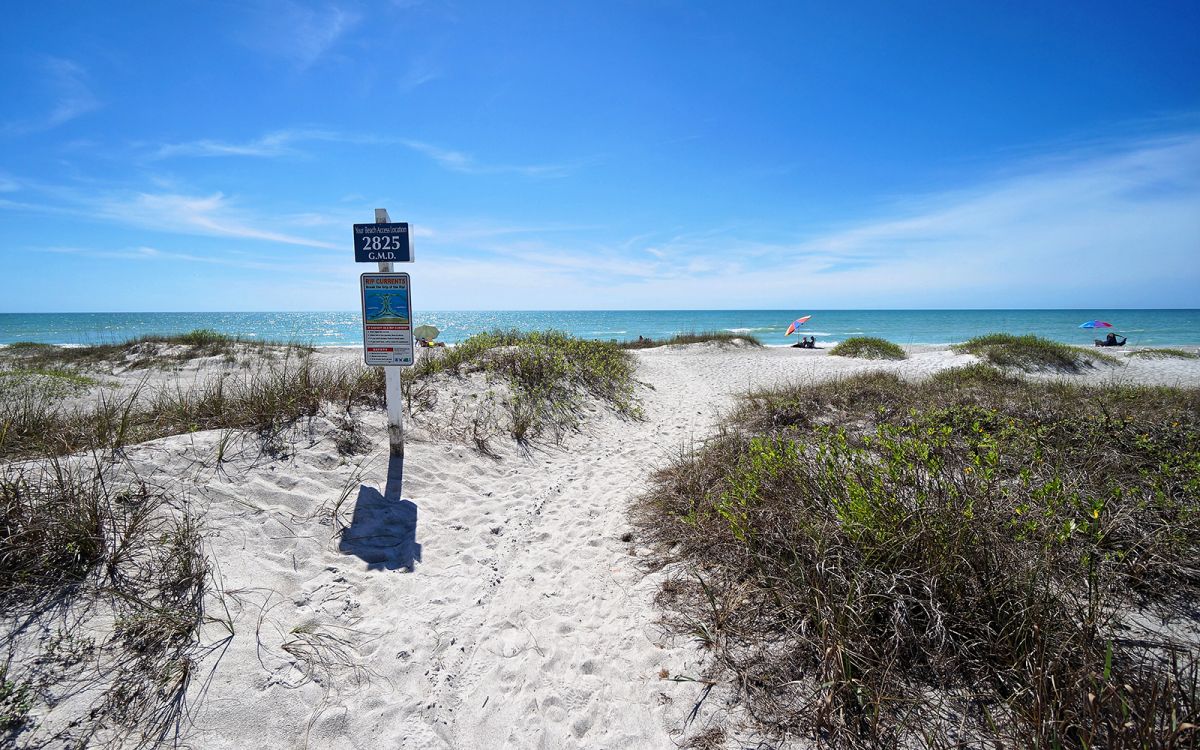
x: 387, y: 332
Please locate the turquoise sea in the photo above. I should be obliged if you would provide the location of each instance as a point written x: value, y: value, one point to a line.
x: 1143, y: 327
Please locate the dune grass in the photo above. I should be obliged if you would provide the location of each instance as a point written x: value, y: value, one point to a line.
x: 142, y: 352
x: 263, y: 400
x: 883, y: 563
x: 124, y: 560
x: 546, y: 374
x: 1163, y: 354
x: 27, y: 346
x: 868, y: 347
x: 720, y: 337
x: 1032, y: 353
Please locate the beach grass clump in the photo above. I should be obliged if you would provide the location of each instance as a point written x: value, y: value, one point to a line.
x: 1032, y: 353
x: 888, y: 563
x: 262, y: 400
x: 720, y: 337
x: 85, y: 539
x: 150, y: 351
x: 51, y: 532
x: 1163, y: 354
x: 545, y: 373
x: 868, y: 347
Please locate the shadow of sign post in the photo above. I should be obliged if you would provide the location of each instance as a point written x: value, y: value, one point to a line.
x: 383, y: 529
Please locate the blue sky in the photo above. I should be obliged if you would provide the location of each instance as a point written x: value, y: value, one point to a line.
x: 608, y: 155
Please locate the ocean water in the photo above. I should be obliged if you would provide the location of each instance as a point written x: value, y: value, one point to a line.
x: 1142, y: 327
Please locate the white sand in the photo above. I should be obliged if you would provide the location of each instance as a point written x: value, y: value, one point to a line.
x: 485, y: 603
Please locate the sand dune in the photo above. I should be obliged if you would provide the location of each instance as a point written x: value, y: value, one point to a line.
x: 458, y: 600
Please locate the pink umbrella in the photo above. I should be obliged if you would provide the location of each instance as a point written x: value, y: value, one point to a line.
x: 796, y: 324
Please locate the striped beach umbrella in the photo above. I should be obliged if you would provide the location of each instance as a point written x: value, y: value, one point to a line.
x: 796, y: 324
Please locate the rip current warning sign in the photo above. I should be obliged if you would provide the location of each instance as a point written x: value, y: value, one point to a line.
x: 387, y: 319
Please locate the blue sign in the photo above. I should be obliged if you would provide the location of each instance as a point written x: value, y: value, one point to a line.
x: 387, y: 319
x: 382, y: 243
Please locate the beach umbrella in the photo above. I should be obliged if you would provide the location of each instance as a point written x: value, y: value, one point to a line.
x: 796, y: 324
x: 429, y: 333
x: 1095, y: 324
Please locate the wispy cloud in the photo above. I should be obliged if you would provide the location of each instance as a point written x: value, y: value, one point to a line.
x: 67, y: 84
x: 154, y: 254
x: 288, y: 142
x: 420, y: 71
x: 168, y: 210
x: 299, y: 33
x: 184, y: 214
x: 459, y: 161
x: 278, y: 143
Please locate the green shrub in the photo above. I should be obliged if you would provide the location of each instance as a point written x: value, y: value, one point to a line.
x: 868, y: 347
x: 199, y: 337
x: 547, y: 373
x: 869, y: 557
x: 721, y: 337
x: 1032, y: 353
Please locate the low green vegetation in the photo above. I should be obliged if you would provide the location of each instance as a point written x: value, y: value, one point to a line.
x: 50, y: 384
x: 14, y: 703
x: 720, y: 337
x: 868, y: 347
x: 1032, y: 353
x: 545, y: 375
x: 144, y: 352
x: 883, y: 563
x: 1163, y: 354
